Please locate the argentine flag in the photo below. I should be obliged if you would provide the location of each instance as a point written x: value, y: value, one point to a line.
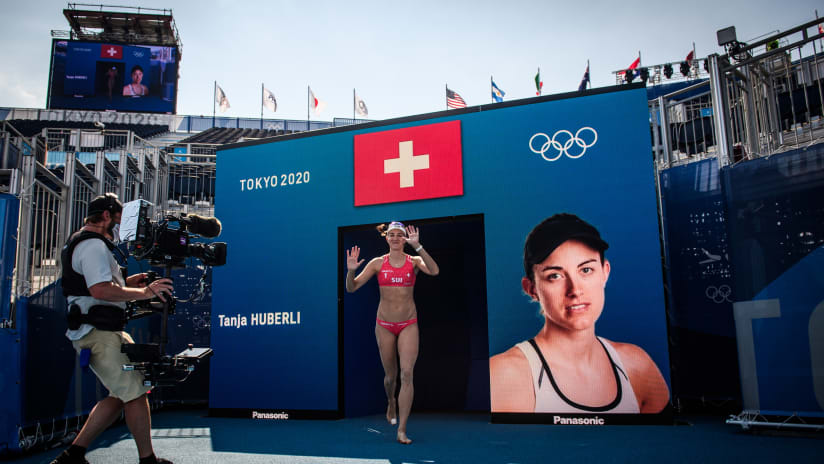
x: 497, y: 94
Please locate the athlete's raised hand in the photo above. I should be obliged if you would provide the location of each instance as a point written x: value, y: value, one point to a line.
x: 352, y: 262
x: 413, y: 237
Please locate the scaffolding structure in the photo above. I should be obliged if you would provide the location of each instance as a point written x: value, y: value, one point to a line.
x: 759, y: 99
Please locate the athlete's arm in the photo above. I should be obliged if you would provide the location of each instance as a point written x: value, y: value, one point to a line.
x: 510, y: 382
x: 649, y: 385
x: 352, y: 263
x: 423, y: 261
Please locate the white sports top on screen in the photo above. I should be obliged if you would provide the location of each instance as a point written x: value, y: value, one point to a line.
x: 549, y: 398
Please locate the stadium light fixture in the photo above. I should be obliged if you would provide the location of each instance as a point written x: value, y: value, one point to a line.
x: 726, y: 36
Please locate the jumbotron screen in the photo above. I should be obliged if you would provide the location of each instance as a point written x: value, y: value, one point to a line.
x: 109, y: 76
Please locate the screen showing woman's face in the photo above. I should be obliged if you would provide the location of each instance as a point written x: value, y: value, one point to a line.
x: 569, y: 284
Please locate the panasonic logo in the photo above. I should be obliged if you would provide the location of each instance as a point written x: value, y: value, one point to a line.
x: 270, y: 415
x: 578, y: 420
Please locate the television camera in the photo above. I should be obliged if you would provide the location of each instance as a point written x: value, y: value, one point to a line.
x: 166, y: 243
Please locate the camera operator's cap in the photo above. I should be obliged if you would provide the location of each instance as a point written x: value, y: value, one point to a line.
x: 396, y: 225
x: 107, y: 202
x: 553, y: 231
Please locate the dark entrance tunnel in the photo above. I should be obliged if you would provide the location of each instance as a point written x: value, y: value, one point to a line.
x: 452, y: 371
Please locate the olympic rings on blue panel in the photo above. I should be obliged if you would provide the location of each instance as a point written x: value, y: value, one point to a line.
x: 561, y: 141
x: 720, y: 294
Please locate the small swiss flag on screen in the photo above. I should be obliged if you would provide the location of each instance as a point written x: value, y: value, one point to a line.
x: 111, y: 51
x: 414, y: 163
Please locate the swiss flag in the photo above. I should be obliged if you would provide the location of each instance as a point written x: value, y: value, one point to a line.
x: 111, y: 51
x: 414, y: 163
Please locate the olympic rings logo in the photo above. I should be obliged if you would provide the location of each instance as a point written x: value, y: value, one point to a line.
x: 720, y: 294
x: 560, y: 143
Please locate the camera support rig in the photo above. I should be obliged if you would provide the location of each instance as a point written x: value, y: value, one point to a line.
x: 160, y: 369
x: 167, y: 247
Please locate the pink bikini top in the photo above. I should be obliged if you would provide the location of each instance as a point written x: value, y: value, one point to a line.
x: 403, y: 276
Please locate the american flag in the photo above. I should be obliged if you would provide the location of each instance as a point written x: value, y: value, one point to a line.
x: 453, y: 100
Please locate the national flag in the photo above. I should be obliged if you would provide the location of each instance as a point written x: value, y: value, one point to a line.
x: 820, y: 29
x: 412, y: 163
x: 360, y: 106
x: 497, y: 94
x: 114, y: 52
x: 584, y: 80
x: 633, y: 67
x: 316, y: 105
x: 690, y: 57
x: 269, y: 100
x: 453, y: 100
x: 221, y: 100
x: 538, y: 83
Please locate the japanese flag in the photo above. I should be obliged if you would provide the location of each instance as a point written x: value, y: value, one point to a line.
x: 316, y: 105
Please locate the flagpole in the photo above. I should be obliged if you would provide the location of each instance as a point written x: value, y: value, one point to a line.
x: 589, y: 78
x: 308, y: 92
x: 214, y: 100
x: 261, y: 106
x: 353, y: 105
x: 540, y: 90
x: 445, y: 93
x: 490, y: 89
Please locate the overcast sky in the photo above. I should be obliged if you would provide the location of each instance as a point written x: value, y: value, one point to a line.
x: 398, y: 55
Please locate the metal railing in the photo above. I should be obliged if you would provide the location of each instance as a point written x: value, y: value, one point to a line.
x: 760, y: 99
x: 192, y: 181
x: 14, y: 145
x: 176, y: 123
x: 56, y: 189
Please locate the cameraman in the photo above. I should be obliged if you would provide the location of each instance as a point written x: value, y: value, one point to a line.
x: 97, y: 292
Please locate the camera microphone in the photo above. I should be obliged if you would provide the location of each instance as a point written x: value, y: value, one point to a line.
x: 208, y: 227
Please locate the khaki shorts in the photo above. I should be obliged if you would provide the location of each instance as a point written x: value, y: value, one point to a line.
x: 107, y: 363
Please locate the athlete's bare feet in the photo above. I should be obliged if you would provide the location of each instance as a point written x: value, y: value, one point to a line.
x: 391, y: 415
x: 403, y: 439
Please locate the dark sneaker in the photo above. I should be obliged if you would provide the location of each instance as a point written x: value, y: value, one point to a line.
x: 164, y: 461
x: 64, y: 458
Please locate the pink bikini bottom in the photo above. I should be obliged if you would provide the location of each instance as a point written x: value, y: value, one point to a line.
x: 396, y: 327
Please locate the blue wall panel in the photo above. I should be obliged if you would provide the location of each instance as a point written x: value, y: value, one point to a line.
x: 12, y: 360
x: 776, y: 216
x: 699, y: 274
x: 284, y: 254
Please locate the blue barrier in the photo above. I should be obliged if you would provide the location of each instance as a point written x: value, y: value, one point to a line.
x: 776, y: 218
x: 743, y: 248
x: 11, y: 386
x: 702, y: 331
x: 9, y: 209
x: 12, y: 361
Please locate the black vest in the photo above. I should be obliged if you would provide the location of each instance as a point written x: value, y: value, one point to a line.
x: 73, y: 283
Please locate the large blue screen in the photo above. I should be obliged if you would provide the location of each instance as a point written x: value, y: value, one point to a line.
x: 111, y: 76
x: 277, y: 301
